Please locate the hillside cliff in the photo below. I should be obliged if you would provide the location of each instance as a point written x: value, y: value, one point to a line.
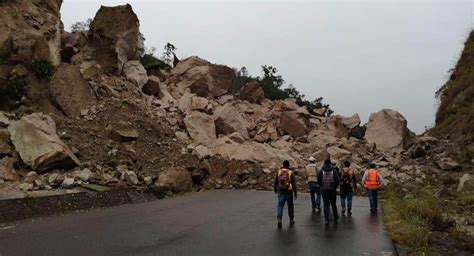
x: 455, y: 116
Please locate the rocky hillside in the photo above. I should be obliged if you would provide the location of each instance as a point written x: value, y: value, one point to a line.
x: 455, y: 116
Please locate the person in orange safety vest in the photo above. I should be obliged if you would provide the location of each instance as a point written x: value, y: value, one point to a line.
x: 372, y: 180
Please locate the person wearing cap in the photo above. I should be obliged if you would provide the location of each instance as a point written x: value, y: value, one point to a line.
x: 372, y: 180
x: 314, y: 188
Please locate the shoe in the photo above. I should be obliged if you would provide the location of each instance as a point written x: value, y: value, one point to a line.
x: 327, y: 223
x: 318, y: 209
x: 372, y: 210
x: 314, y: 209
x: 343, y: 212
x: 336, y: 218
x: 279, y: 223
x: 349, y: 212
x: 292, y: 222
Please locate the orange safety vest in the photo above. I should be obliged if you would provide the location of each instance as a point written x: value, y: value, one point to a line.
x: 372, y: 181
x: 290, y: 173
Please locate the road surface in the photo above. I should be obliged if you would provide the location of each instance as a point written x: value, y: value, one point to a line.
x: 209, y: 223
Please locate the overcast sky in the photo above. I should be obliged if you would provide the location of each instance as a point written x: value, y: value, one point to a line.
x: 361, y: 56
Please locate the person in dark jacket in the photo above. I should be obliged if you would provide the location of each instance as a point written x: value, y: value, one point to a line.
x: 348, y: 185
x: 285, y: 186
x: 328, y: 180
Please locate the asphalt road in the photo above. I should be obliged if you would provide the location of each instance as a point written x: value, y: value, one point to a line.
x: 210, y: 223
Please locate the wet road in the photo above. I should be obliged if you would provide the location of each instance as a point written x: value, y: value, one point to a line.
x: 209, y: 223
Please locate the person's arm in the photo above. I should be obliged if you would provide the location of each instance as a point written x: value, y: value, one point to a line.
x: 336, y: 179
x: 293, y: 184
x: 379, y: 178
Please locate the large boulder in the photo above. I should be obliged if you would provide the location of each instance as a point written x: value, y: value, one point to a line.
x: 229, y: 120
x: 174, y: 179
x: 251, y: 92
x: 114, y: 38
x: 5, y: 148
x: 388, y: 130
x: 251, y: 151
x: 152, y: 87
x: 351, y: 122
x: 200, y: 127
x: 292, y: 125
x: 7, y: 171
x: 35, y: 139
x: 201, y: 78
x: 466, y: 183
x: 135, y: 72
x: 69, y: 91
x: 31, y: 30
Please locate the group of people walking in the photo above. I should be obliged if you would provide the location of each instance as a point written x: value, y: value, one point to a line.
x: 323, y: 183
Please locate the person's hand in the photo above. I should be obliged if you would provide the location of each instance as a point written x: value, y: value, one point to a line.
x: 296, y: 197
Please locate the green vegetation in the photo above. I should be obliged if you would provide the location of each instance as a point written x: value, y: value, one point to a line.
x: 150, y: 62
x: 455, y: 116
x: 12, y: 92
x: 411, y: 220
x: 42, y: 68
x: 169, y: 53
x: 273, y: 87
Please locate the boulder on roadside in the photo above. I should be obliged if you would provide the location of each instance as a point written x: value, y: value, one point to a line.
x: 200, y: 127
x: 292, y: 125
x: 7, y: 170
x: 152, y: 87
x: 114, y: 38
x: 251, y: 92
x: 135, y: 72
x: 229, y: 120
x: 131, y: 177
x: 338, y: 153
x: 35, y: 139
x: 30, y: 30
x: 175, y: 179
x: 388, y: 130
x: 466, y: 183
x: 201, y: 77
x: 69, y: 91
x: 448, y: 164
x: 351, y: 122
x: 5, y: 148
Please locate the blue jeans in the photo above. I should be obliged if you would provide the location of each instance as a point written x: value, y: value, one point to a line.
x: 346, y: 194
x: 285, y: 197
x: 315, y: 193
x: 373, y: 199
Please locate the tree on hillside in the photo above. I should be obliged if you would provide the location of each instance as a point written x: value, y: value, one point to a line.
x: 169, y: 53
x: 81, y: 26
x: 272, y: 84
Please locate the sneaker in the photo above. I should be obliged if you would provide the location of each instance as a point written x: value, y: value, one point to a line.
x: 279, y: 223
x: 292, y: 222
x: 349, y: 212
x: 336, y: 218
x: 318, y: 209
x: 327, y: 223
x: 343, y: 211
x: 314, y: 209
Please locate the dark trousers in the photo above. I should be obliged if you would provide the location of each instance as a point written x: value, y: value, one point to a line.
x: 285, y: 197
x: 373, y: 199
x: 329, y: 199
x: 346, y: 196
